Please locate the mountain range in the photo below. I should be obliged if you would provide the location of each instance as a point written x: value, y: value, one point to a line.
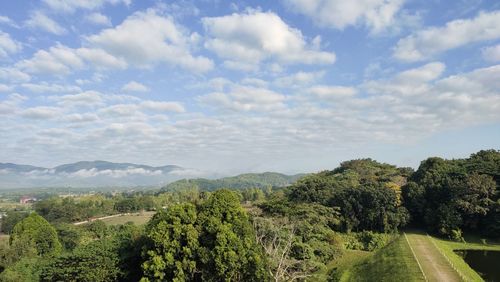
x: 91, y: 173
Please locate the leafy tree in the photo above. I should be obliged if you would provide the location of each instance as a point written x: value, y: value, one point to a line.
x: 36, y: 229
x: 174, y: 240
x: 414, y: 199
x: 370, y: 208
x: 11, y: 219
x: 69, y: 235
x: 228, y: 250
x: 128, y: 241
x: 96, y: 261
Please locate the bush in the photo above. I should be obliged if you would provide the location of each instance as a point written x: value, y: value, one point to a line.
x: 456, y: 235
x: 366, y: 240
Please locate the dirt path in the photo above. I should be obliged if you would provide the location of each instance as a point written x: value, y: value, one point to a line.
x: 99, y: 218
x: 433, y: 263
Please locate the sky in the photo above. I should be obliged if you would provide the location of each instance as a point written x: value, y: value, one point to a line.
x: 248, y: 86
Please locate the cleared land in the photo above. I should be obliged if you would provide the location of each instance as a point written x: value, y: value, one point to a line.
x: 138, y: 219
x: 434, y: 264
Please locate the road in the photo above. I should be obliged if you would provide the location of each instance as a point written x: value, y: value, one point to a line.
x: 433, y: 264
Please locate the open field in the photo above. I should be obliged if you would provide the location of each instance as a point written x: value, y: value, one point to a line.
x: 138, y: 219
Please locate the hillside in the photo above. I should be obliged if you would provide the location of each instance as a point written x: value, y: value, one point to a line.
x: 242, y: 181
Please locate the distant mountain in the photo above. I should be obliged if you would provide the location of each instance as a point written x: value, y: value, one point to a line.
x: 242, y: 181
x: 91, y: 173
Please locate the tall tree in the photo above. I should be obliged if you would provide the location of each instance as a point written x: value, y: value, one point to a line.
x: 228, y: 249
x: 36, y: 229
x: 174, y: 240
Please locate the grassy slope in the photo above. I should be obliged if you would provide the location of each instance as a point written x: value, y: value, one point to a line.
x: 394, y: 262
x: 473, y: 243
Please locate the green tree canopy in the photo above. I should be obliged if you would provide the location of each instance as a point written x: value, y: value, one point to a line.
x: 174, y: 240
x: 36, y: 229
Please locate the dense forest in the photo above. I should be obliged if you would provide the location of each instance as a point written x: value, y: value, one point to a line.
x: 231, y: 230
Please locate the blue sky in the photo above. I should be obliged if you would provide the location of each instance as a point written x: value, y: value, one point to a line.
x: 229, y: 87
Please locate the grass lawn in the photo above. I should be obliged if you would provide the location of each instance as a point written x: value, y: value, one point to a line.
x: 394, y: 262
x: 472, y: 243
x: 137, y: 219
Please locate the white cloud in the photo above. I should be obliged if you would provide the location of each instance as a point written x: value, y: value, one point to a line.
x: 492, y: 53
x: 101, y: 58
x: 41, y: 112
x: 98, y: 19
x: 429, y: 42
x: 13, y: 75
x: 115, y: 173
x: 162, y: 106
x: 375, y: 14
x: 80, y: 118
x: 50, y: 88
x: 300, y: 78
x: 328, y: 92
x: 246, y: 39
x: 244, y: 98
x: 39, y: 20
x: 84, y: 99
x: 8, y: 45
x: 146, y: 38
x: 62, y: 60
x: 8, y: 21
x: 58, y: 60
x: 70, y: 6
x: 409, y: 82
x: 134, y: 86
x: 5, y: 88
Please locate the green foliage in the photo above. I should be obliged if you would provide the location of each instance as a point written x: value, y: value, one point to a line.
x: 212, y: 242
x: 228, y: 250
x: 27, y: 269
x: 96, y: 261
x: 449, y: 195
x: 97, y: 228
x: 36, y: 229
x: 174, y: 240
x: 240, y: 182
x: 69, y: 235
x: 370, y: 208
x: 11, y: 219
x: 56, y: 209
x: 366, y: 240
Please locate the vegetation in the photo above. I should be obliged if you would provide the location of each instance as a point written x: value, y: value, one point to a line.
x: 337, y: 225
x: 451, y: 196
x: 240, y: 182
x: 395, y: 262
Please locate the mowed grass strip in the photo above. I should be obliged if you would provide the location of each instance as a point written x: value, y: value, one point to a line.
x: 394, y: 262
x: 137, y: 219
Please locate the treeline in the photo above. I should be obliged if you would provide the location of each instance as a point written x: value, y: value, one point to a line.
x: 452, y: 196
